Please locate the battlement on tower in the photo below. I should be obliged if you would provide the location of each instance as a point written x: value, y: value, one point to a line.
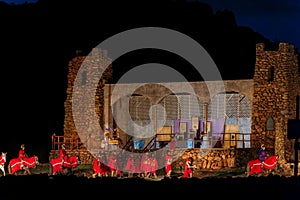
x: 282, y: 47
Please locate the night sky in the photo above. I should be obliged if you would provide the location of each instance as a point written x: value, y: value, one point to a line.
x: 19, y: 1
x: 38, y: 41
x: 275, y: 19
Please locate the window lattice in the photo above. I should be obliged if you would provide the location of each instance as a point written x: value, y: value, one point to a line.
x: 196, y: 107
x: 232, y: 106
x: 245, y: 107
x: 222, y: 106
x: 182, y: 107
x: 184, y: 101
x: 227, y: 106
x: 189, y: 106
x: 139, y: 107
x: 170, y: 103
x: 216, y: 108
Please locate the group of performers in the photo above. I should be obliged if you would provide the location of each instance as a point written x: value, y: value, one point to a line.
x: 141, y: 165
x: 144, y: 165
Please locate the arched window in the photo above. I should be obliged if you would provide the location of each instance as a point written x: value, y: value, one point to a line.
x: 83, y: 78
x: 271, y: 74
x: 270, y: 124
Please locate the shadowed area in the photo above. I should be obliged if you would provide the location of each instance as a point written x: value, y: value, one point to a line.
x: 271, y: 187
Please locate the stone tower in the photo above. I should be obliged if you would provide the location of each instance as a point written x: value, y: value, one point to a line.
x: 97, y: 58
x: 276, y: 85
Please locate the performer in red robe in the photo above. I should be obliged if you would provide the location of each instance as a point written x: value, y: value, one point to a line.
x: 96, y: 167
x: 153, y: 165
x: 188, y: 167
x: 145, y: 165
x: 130, y: 166
x: 22, y: 154
x: 62, y: 154
x: 112, y: 164
x: 168, y: 165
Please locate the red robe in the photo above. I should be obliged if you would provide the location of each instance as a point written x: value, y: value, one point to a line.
x: 112, y: 163
x: 153, y: 165
x: 130, y: 165
x: 62, y: 153
x: 168, y: 163
x: 187, y: 168
x: 145, y: 163
x: 96, y: 166
x: 21, y: 154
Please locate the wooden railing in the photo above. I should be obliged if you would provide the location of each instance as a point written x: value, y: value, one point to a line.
x: 71, y: 143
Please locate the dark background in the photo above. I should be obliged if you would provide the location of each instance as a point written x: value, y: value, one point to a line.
x: 37, y: 40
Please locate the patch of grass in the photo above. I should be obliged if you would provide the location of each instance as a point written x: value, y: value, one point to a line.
x: 40, y: 169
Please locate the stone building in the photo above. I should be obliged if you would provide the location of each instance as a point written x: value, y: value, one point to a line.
x: 244, y: 114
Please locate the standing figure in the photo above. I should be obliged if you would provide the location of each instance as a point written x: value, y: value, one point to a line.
x: 112, y: 164
x: 62, y: 154
x: 99, y: 168
x: 106, y: 140
x: 145, y: 165
x: 130, y: 165
x: 96, y: 167
x: 22, y: 155
x: 153, y: 165
x: 168, y: 165
x: 189, y: 167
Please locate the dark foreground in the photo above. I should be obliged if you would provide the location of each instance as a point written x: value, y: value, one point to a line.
x: 42, y: 186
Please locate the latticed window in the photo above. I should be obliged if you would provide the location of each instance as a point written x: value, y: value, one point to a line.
x: 229, y: 106
x: 170, y: 103
x: 182, y: 106
x: 231, y: 110
x: 179, y: 106
x: 139, y: 107
x: 216, y: 108
x: 244, y: 107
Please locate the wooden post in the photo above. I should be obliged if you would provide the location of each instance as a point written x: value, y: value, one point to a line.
x: 296, y: 158
x: 205, y: 119
x: 155, y: 118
